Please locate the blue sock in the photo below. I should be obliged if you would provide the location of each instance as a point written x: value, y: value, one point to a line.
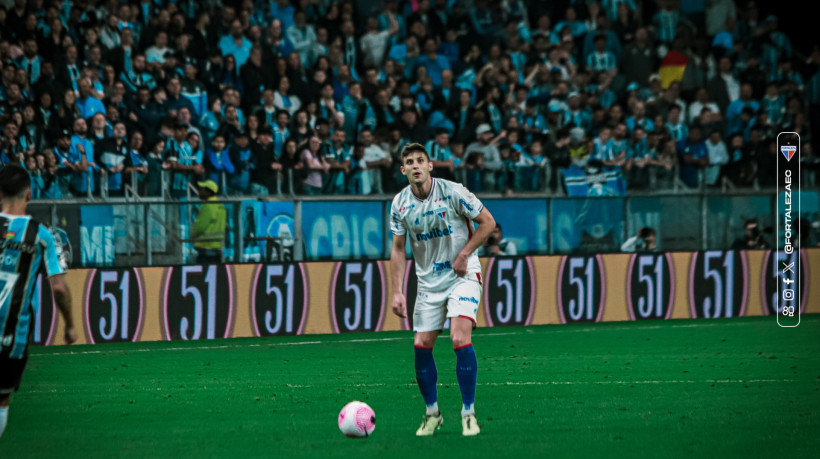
x: 426, y: 375
x: 466, y: 371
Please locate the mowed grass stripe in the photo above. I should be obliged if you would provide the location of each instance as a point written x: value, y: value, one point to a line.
x: 163, y: 346
x: 719, y: 387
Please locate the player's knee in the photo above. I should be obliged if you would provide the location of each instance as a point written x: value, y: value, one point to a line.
x: 460, y: 338
x: 424, y: 340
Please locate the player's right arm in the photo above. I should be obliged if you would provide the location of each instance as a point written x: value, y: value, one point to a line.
x: 398, y: 260
x: 397, y: 264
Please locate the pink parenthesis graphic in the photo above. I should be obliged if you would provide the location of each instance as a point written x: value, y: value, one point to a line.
x: 559, y: 292
x: 86, y: 305
x: 228, y: 325
x: 744, y: 279
x: 335, y: 276
x: 306, y: 302
x: 672, y: 282
x: 487, y: 314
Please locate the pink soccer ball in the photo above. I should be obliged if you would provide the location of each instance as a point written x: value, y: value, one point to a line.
x: 357, y: 420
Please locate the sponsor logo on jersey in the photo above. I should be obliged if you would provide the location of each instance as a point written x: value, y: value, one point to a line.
x: 468, y: 299
x: 407, y: 207
x: 7, y: 243
x: 440, y: 212
x: 9, y: 235
x: 442, y: 199
x: 443, y: 266
x: 434, y: 233
x: 466, y: 206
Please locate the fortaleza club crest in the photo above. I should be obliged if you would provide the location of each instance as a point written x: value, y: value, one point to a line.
x: 788, y: 151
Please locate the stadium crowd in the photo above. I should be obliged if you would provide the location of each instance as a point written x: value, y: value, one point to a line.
x: 320, y: 96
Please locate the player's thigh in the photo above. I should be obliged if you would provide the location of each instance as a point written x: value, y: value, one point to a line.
x: 429, y: 312
x: 462, y: 308
x: 464, y: 299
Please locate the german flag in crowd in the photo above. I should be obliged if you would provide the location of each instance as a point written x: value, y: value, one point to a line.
x: 672, y: 68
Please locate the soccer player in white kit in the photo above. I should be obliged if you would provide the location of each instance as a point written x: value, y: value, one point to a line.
x: 437, y: 215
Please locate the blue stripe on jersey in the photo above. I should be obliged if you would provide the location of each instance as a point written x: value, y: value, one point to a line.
x: 24, y: 258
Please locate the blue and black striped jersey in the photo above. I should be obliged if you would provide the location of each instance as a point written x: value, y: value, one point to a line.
x: 26, y: 247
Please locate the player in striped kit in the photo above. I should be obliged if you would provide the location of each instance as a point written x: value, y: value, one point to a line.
x: 26, y: 247
x: 437, y: 215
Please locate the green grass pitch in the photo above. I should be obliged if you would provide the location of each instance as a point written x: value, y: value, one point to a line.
x: 738, y: 387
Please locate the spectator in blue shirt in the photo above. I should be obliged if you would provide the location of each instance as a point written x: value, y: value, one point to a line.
x: 693, y: 158
x: 434, y: 63
x: 87, y: 103
x: 283, y: 11
x: 576, y: 27
x: 674, y: 124
x: 281, y: 44
x: 136, y: 163
x: 449, y: 48
x: 601, y: 60
x: 242, y: 159
x: 218, y: 161
x: 405, y: 54
x: 81, y: 158
x: 176, y: 100
x: 29, y: 60
x: 666, y: 22
x: 51, y: 177
x: 111, y: 154
x: 736, y: 107
x: 639, y: 119
x: 236, y: 44
x: 182, y: 160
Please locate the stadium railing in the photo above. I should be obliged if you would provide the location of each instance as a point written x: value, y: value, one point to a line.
x: 135, y: 230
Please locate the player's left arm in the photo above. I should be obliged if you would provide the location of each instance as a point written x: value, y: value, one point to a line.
x: 56, y: 277
x: 62, y: 297
x: 486, y: 225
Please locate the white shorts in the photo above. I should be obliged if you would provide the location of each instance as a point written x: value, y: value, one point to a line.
x: 461, y: 300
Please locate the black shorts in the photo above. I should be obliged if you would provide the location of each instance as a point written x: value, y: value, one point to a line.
x: 11, y: 372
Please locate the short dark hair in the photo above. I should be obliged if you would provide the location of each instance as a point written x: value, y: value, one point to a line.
x: 411, y: 148
x: 646, y: 232
x: 14, y: 181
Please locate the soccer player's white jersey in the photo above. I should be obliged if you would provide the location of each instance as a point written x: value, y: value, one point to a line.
x: 438, y: 228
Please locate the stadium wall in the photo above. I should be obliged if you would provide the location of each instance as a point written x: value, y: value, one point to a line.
x: 221, y: 301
